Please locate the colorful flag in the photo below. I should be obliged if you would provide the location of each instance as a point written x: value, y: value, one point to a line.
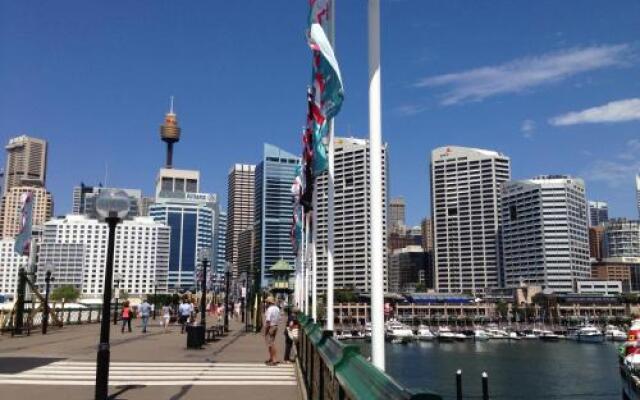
x: 319, y: 12
x: 23, y: 238
x: 296, y: 225
x: 327, y: 80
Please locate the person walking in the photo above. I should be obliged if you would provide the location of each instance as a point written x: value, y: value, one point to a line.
x: 184, y: 311
x: 291, y: 334
x: 145, y: 313
x: 166, y: 316
x: 126, y: 316
x: 271, y: 318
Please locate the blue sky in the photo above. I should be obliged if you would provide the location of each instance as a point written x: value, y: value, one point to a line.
x: 553, y: 84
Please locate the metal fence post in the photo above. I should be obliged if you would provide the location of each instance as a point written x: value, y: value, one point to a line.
x: 485, y: 386
x: 459, y: 384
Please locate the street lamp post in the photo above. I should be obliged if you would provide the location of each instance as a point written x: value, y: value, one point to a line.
x: 203, y: 298
x: 112, y: 206
x: 155, y: 300
x: 226, y: 296
x: 116, y: 283
x: 47, y: 286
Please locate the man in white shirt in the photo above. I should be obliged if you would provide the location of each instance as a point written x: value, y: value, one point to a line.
x: 271, y: 318
x: 184, y: 311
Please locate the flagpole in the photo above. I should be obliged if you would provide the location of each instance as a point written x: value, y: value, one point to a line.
x: 303, y: 281
x: 375, y: 178
x: 314, y: 260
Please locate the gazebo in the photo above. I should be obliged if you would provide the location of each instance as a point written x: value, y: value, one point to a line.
x: 280, y: 273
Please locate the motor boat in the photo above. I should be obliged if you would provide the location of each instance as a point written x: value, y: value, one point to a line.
x: 445, y: 334
x: 615, y: 334
x: 424, y: 333
x: 460, y: 337
x: 495, y: 333
x: 548, y: 336
x: 398, y: 332
x: 513, y: 336
x: 480, y: 335
x: 587, y: 334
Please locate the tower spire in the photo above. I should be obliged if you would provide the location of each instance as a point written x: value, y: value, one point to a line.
x: 170, y: 132
x: 171, y: 105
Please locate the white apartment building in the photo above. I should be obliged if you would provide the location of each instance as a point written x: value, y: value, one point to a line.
x: 352, y: 228
x: 545, y: 237
x: 465, y: 204
x: 10, y: 263
x: 75, y: 247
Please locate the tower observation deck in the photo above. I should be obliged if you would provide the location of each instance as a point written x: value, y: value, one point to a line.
x: 170, y: 133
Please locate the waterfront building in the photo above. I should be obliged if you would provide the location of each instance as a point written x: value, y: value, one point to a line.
x: 75, y: 246
x: 26, y: 162
x: 219, y: 244
x: 273, y: 210
x: 465, y: 203
x: 605, y: 287
x: 246, y: 252
x: 596, y: 238
x: 10, y: 263
x: 612, y: 270
x: 427, y: 234
x: 598, y: 213
x: 240, y: 208
x: 622, y: 238
x: 545, y: 232
x: 409, y: 270
x: 84, y: 200
x: 397, y: 211
x: 192, y: 219
x: 352, y: 234
x: 10, y: 217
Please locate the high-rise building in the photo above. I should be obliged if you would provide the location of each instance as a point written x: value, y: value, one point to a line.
x: 352, y: 227
x: 545, y: 232
x: 598, y: 213
x: 622, y: 238
x: 26, y: 162
x: 176, y: 182
x: 465, y: 202
x: 84, y: 200
x: 10, y: 263
x: 10, y: 217
x: 427, y: 234
x: 240, y: 208
x: 74, y: 247
x: 397, y: 209
x: 596, y: 239
x: 192, y: 219
x: 409, y: 270
x: 273, y: 209
x: 612, y: 271
x: 638, y: 193
x: 219, y: 243
x: 246, y: 252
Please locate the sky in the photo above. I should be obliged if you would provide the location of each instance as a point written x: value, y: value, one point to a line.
x: 554, y: 85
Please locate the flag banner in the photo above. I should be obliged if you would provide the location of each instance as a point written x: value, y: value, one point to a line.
x: 327, y: 80
x: 23, y: 238
x: 296, y: 225
x: 319, y: 12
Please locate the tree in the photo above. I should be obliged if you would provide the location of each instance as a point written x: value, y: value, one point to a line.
x: 68, y: 293
x: 502, y: 309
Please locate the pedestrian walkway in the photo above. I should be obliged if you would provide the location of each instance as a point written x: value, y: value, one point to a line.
x: 81, y: 373
x: 144, y: 366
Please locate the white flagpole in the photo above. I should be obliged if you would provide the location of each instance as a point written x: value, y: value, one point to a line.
x: 375, y: 178
x: 314, y: 260
x: 306, y: 262
x: 302, y: 281
x: 330, y: 199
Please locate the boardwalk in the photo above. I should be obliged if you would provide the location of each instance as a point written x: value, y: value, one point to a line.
x: 155, y: 365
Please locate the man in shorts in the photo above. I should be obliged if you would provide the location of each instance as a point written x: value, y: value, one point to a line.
x: 184, y: 312
x: 271, y: 317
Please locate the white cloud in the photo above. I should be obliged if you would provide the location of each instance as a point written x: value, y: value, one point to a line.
x: 527, y: 128
x: 409, y: 110
x: 525, y: 73
x: 614, y: 173
x: 615, y: 111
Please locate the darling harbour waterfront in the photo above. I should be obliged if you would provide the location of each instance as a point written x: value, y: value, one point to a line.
x: 518, y: 370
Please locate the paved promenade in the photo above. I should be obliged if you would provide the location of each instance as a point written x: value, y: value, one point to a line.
x: 155, y: 365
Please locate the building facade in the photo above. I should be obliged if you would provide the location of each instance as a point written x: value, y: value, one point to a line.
x: 10, y: 215
x: 465, y: 202
x: 219, y: 244
x: 352, y: 228
x: 410, y: 270
x: 74, y: 248
x: 545, y: 233
x: 192, y: 219
x: 397, y: 211
x: 622, y: 238
x: 273, y: 209
x: 10, y: 263
x: 84, y: 200
x: 596, y: 245
x: 427, y: 234
x: 240, y: 208
x: 598, y: 213
x: 26, y: 162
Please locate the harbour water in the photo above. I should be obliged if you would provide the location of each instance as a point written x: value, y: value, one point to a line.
x: 518, y: 370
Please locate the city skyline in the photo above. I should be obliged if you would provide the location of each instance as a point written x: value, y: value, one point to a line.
x: 426, y: 102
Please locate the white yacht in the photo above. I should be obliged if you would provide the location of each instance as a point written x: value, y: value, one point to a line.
x: 445, y: 334
x: 615, y: 334
x: 495, y: 333
x: 480, y: 335
x: 587, y: 334
x: 398, y: 332
x: 548, y: 336
x: 424, y: 333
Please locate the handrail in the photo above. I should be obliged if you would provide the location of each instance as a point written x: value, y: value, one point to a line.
x: 333, y: 370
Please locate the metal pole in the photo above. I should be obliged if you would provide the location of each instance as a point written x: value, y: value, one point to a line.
x: 115, y: 305
x: 102, y: 362
x: 203, y: 297
x: 459, y: 384
x: 376, y: 199
x: 226, y: 301
x: 22, y: 283
x: 485, y: 386
x: 303, y: 300
x: 155, y: 299
x: 330, y: 197
x: 45, y: 311
x: 314, y: 266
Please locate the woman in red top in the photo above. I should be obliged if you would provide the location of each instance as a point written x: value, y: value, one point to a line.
x: 126, y: 316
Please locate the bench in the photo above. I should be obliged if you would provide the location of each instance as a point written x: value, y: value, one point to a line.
x: 213, y: 331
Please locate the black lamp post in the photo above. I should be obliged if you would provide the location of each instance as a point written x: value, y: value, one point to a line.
x: 226, y: 296
x: 116, y: 283
x: 112, y: 206
x: 155, y: 299
x: 204, y: 258
x: 47, y: 287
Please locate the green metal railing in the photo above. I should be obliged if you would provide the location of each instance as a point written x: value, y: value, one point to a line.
x: 335, y: 371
